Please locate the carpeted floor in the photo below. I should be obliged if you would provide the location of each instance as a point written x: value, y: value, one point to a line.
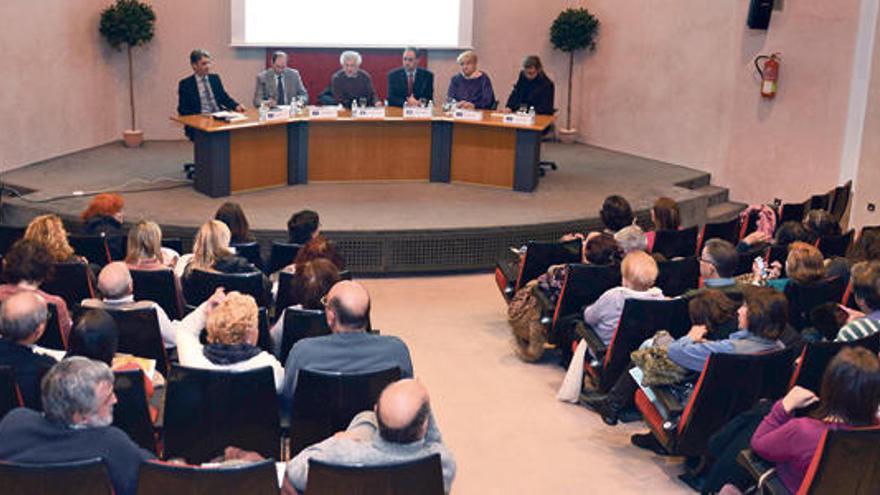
x: 499, y: 415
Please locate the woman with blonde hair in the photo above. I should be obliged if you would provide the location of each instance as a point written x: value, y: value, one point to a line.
x: 804, y: 263
x: 48, y: 231
x: 470, y: 88
x: 145, y: 251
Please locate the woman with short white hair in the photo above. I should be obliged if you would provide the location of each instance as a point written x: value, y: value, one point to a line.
x: 350, y: 83
x: 471, y: 88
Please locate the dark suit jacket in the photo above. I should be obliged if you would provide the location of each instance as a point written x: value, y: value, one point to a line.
x: 29, y: 368
x: 537, y: 93
x: 188, y: 102
x: 423, y: 86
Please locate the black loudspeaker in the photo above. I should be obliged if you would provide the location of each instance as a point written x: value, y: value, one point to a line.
x: 759, y: 14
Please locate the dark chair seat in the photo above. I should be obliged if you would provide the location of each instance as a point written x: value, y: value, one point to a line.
x: 676, y: 243
x: 175, y: 243
x: 539, y: 256
x: 86, y: 477
x: 675, y: 277
x: 816, y: 356
x: 200, y: 285
x: 299, y: 324
x: 251, y: 252
x: 10, y: 397
x: 131, y: 413
x: 282, y: 254
x: 258, y: 478
x: 802, y: 298
x: 791, y: 212
x: 53, y: 337
x: 422, y: 476
x: 160, y: 287
x: 71, y: 281
x: 835, y: 245
x: 140, y: 335
x: 8, y: 236
x: 98, y: 249
x: 728, y: 231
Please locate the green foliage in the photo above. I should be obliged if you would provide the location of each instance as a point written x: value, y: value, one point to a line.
x: 574, y: 29
x: 128, y: 22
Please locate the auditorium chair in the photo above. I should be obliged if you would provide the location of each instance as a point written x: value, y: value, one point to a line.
x: 160, y: 287
x: 835, y: 245
x: 728, y: 231
x: 845, y: 461
x: 840, y: 201
x: 802, y: 298
x: 675, y: 277
x: 174, y: 243
x: 10, y: 397
x: 249, y: 251
x: 85, y: 477
x: 791, y: 212
x: 544, y: 165
x: 131, y: 413
x: 208, y: 410
x: 94, y: 247
x: 780, y: 254
x: 139, y: 334
x: 423, y: 476
x: 513, y: 271
x: 299, y: 324
x: 815, y: 358
x: 676, y: 243
x: 8, y: 236
x: 821, y: 201
x: 324, y: 403
x: 71, y: 281
x: 282, y: 254
x: 252, y: 478
x: 53, y: 337
x: 729, y: 385
x: 640, y: 320
x: 200, y: 286
x: 745, y: 260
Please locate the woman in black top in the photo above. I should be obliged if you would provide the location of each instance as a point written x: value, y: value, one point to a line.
x: 533, y: 88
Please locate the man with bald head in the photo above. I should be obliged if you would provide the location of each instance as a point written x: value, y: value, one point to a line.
x: 401, y: 428
x: 117, y: 290
x: 349, y: 348
x: 22, y: 321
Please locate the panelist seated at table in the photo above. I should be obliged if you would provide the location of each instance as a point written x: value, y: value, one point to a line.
x: 410, y: 83
x: 533, y: 89
x: 279, y: 84
x: 351, y: 83
x: 471, y: 88
x: 202, y: 92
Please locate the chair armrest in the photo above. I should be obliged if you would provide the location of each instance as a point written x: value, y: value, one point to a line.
x: 597, y: 347
x: 762, y: 471
x: 508, y: 263
x: 671, y: 406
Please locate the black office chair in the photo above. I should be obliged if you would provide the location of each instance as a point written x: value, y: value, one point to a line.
x: 131, y: 413
x: 423, y: 476
x: 258, y: 478
x: 86, y: 477
x: 544, y: 165
x: 160, y: 287
x: 139, y: 334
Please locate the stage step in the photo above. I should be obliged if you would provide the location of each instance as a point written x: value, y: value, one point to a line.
x: 724, y: 211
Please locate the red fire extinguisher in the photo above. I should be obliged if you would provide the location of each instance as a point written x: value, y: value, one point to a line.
x: 769, y: 74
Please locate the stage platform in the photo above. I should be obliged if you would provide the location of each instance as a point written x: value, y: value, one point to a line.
x: 389, y: 227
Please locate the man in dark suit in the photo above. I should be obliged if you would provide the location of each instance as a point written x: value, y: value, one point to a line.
x: 22, y: 322
x: 202, y: 92
x: 410, y: 83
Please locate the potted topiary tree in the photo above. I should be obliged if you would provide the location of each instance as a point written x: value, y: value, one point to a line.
x: 130, y: 23
x: 573, y: 30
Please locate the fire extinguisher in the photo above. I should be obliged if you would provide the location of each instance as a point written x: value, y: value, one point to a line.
x: 769, y: 74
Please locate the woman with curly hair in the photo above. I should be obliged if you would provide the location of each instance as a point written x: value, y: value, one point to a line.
x: 48, y: 231
x: 104, y: 215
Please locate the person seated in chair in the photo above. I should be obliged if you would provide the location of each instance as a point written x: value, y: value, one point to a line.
x: 533, y: 89
x: 866, y: 289
x: 22, y: 322
x: 144, y: 249
x: 471, y: 88
x: 104, y: 215
x: 49, y: 231
x: 410, y: 85
x: 848, y: 398
x: 78, y: 401
x: 351, y: 83
x: 304, y: 228
x: 309, y: 284
x: 665, y: 215
x: 117, y: 289
x: 233, y: 216
x: 349, y: 348
x: 212, y: 253
x: 718, y: 262
x: 820, y: 223
x: 401, y: 428
x: 202, y: 92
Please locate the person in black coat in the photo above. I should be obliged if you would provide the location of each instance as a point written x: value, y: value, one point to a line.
x: 410, y: 83
x: 189, y: 99
x: 533, y: 88
x: 23, y: 319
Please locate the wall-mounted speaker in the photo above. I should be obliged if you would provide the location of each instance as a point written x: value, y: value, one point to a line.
x: 759, y: 14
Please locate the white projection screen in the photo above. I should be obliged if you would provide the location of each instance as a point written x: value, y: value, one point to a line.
x: 352, y: 23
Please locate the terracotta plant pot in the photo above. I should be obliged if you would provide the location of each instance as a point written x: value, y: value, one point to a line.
x: 133, y: 138
x: 567, y: 136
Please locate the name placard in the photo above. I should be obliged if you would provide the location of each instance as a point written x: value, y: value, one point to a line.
x: 325, y: 112
x: 462, y: 114
x: 280, y: 113
x: 368, y: 113
x: 418, y: 112
x: 518, y: 119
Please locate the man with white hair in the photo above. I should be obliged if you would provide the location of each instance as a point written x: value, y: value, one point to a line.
x: 351, y: 83
x: 78, y: 404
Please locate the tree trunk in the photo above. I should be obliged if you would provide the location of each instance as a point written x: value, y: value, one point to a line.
x: 131, y: 88
x: 568, y: 107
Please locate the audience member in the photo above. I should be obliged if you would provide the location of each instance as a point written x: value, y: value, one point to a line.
x: 787, y: 233
x: 145, y: 251
x: 804, y: 264
x: 410, y: 85
x: 48, y: 231
x: 349, y: 348
x: 351, y: 83
x: 318, y: 248
x: 866, y: 289
x: 78, y: 400
x: 212, y: 253
x: 820, y: 223
x: 848, y: 398
x: 303, y: 226
x: 718, y: 262
x: 631, y: 238
x: 309, y: 284
x: 665, y: 215
x: 866, y: 247
x: 26, y: 266
x: 616, y: 214
x: 104, y: 215
x: 533, y: 89
x: 233, y: 216
x: 401, y: 428
x: 470, y: 88
x: 232, y: 333
x: 601, y: 248
x: 22, y: 322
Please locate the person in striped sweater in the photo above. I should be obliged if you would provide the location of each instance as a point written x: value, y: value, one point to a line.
x: 866, y: 289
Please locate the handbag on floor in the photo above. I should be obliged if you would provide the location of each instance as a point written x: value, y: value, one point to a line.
x: 524, y: 316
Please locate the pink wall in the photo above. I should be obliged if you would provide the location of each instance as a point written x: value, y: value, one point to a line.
x: 867, y: 189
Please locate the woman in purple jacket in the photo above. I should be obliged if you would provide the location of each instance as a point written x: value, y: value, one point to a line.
x: 470, y: 88
x: 850, y: 395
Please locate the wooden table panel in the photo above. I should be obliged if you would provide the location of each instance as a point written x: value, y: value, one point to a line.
x: 369, y: 150
x: 483, y: 155
x: 257, y: 157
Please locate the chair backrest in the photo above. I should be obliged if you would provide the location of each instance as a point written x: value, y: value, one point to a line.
x: 816, y: 356
x: 729, y: 385
x: 258, y: 478
x: 423, y: 476
x: 70, y: 281
x: 846, y: 461
x: 582, y: 286
x: 299, y: 324
x: 139, y: 334
x: 676, y: 243
x: 780, y: 254
x: 208, y: 410
x: 729, y: 231
x: 158, y: 286
x: 840, y: 200
x: 251, y: 252
x: 201, y: 286
x: 791, y: 212
x: 86, y: 477
x: 93, y: 247
x: 324, y: 403
x: 675, y: 277
x: 8, y: 236
x: 802, y: 298
x: 10, y: 397
x: 835, y: 245
x: 117, y: 245
x: 540, y: 255
x: 131, y: 413
x: 640, y: 320
x: 284, y: 298
x: 53, y: 337
x: 282, y: 254
x: 744, y: 260
x: 175, y: 243
x: 821, y: 201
